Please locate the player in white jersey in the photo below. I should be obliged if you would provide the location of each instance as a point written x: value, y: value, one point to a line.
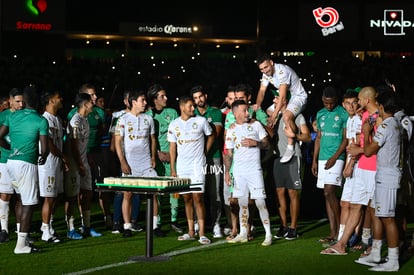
x: 286, y: 81
x: 51, y: 173
x: 136, y: 147
x: 186, y: 135
x: 243, y: 143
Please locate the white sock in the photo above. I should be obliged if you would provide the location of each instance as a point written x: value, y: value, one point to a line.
x: 243, y: 216
x: 44, y: 227
x: 155, y: 222
x: 264, y: 215
x: 21, y: 240
x: 71, y: 223
x: 18, y: 227
x: 127, y: 226
x: 376, y: 250
x: 51, y: 230
x: 366, y: 235
x: 4, y: 215
x: 341, y: 231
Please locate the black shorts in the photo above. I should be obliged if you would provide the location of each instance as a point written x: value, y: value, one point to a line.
x: 287, y: 174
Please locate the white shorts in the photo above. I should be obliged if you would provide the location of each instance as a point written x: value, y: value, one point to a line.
x: 331, y: 176
x: 196, y: 183
x: 25, y: 180
x: 384, y: 200
x: 363, y: 186
x: 347, y: 189
x: 296, y: 105
x: 251, y: 183
x: 51, y: 178
x: 6, y: 186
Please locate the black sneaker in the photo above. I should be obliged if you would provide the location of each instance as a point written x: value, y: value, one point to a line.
x: 136, y: 228
x: 283, y: 231
x: 4, y: 236
x: 116, y: 228
x: 292, y: 234
x: 127, y: 233
x: 158, y: 232
x: 176, y: 227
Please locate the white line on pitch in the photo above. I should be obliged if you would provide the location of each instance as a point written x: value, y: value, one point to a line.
x: 169, y: 254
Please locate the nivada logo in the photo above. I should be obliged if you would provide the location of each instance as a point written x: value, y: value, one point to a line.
x: 36, y: 8
x: 393, y: 22
x: 328, y: 19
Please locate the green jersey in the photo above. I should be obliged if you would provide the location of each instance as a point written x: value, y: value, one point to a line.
x: 162, y: 120
x: 96, y: 120
x: 4, y: 153
x: 259, y: 115
x: 25, y: 127
x: 214, y: 117
x: 331, y: 124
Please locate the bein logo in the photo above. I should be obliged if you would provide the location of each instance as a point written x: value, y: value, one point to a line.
x: 328, y: 19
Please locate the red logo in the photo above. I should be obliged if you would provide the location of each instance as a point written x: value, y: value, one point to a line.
x: 327, y: 17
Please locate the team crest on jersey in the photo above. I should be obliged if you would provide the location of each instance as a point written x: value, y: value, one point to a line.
x: 195, y: 125
x: 209, y: 119
x: 146, y: 122
x: 168, y: 117
x: 249, y: 128
x: 336, y: 118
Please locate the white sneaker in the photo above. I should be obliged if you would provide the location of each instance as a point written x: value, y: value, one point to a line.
x: 368, y: 260
x: 267, y: 241
x: 217, y: 231
x: 289, y: 153
x: 227, y: 231
x: 386, y: 267
x: 239, y: 239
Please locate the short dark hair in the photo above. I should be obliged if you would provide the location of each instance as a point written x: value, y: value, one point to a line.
x: 388, y: 100
x: 81, y: 98
x: 46, y: 95
x: 350, y: 93
x: 237, y: 103
x: 262, y: 58
x: 246, y: 88
x: 330, y: 92
x: 134, y: 95
x: 31, y: 97
x: 15, y: 92
x: 196, y: 89
x: 184, y: 99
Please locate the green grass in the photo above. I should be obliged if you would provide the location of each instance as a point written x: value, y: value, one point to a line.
x: 110, y: 254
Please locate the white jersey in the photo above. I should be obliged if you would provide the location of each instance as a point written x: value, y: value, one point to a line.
x: 285, y: 75
x: 78, y: 129
x: 136, y: 132
x: 246, y: 160
x: 353, y: 127
x: 189, y: 136
x: 55, y: 134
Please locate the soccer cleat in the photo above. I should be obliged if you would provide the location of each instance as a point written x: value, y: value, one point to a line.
x: 176, y: 227
x: 238, y: 239
x: 116, y: 228
x: 267, y: 241
x: 227, y: 231
x: 4, y: 236
x: 158, y: 232
x: 136, y: 228
x: 386, y: 267
x: 283, y: 231
x: 127, y: 233
x: 72, y: 234
x: 217, y: 231
x: 289, y: 153
x: 292, y: 234
x: 93, y: 233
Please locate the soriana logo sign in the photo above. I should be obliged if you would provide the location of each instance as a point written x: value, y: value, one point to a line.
x: 328, y: 19
x: 34, y: 15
